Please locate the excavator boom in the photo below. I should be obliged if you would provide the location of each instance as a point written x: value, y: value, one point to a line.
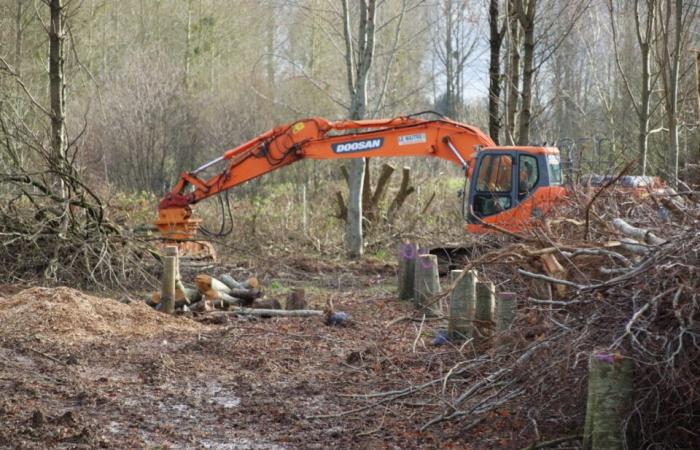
x: 317, y: 138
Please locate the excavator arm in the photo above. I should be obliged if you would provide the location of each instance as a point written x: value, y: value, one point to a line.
x: 316, y: 138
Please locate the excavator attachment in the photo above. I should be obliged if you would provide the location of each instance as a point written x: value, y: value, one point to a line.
x: 177, y: 227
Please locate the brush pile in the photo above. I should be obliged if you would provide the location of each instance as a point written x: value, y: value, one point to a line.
x: 619, y: 272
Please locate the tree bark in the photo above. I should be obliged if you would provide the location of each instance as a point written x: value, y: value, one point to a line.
x: 57, y: 97
x: 462, y: 305
x: 169, y: 279
x: 526, y: 16
x: 697, y: 80
x: 513, y: 71
x: 296, y: 299
x: 450, y: 100
x: 357, y: 77
x: 609, y: 400
x: 483, y: 314
x: 427, y: 284
x: 495, y: 41
x: 671, y: 67
x: 404, y: 191
x: 505, y: 310
x: 407, y: 270
x: 19, y: 37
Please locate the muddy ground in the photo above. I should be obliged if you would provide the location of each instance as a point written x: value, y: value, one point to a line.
x: 280, y: 383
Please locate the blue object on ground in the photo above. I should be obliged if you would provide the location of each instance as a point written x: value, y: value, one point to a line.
x: 440, y: 338
x: 338, y: 318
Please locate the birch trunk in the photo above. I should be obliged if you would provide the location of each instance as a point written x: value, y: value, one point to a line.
x: 357, y: 77
x: 57, y: 95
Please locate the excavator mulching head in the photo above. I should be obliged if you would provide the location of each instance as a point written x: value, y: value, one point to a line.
x: 177, y: 227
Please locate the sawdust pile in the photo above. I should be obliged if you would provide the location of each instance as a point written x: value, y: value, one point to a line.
x: 68, y: 315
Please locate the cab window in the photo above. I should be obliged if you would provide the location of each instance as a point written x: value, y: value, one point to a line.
x: 528, y: 175
x: 554, y: 170
x: 494, y: 174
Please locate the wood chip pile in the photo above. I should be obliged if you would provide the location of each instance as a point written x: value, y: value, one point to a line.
x: 68, y: 316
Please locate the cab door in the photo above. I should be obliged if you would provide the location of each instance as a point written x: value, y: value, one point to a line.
x: 492, y: 185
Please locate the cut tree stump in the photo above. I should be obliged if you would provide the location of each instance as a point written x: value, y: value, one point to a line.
x: 505, y: 310
x: 462, y: 305
x: 168, y: 279
x: 407, y: 270
x: 426, y: 284
x: 553, y: 268
x: 609, y: 401
x: 296, y: 300
x: 483, y: 313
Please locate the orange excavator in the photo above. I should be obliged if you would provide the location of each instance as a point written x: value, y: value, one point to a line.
x: 509, y: 187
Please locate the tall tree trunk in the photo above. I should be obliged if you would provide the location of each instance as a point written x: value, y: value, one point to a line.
x: 188, y: 39
x: 450, y: 109
x: 513, y: 77
x: 645, y: 96
x: 19, y: 31
x: 697, y: 80
x: 57, y: 92
x: 672, y: 94
x: 357, y: 77
x: 270, y: 49
x: 526, y: 15
x: 495, y: 40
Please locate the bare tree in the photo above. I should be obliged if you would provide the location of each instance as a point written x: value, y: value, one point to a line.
x: 672, y: 23
x: 644, y: 14
x: 57, y: 94
x: 455, y: 41
x: 359, y: 54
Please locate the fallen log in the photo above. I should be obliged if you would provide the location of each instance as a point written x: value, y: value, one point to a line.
x: 205, y: 283
x: 250, y: 283
x: 637, y: 233
x: 238, y: 310
x: 220, y: 299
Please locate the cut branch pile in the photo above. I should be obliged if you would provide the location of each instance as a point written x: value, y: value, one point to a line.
x: 226, y: 294
x: 627, y: 281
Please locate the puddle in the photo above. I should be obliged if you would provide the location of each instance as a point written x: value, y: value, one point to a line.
x: 221, y: 397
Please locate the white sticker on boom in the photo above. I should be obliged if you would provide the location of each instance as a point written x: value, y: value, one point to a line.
x: 412, y: 139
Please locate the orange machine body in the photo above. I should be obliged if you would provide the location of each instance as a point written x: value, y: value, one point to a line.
x: 317, y: 138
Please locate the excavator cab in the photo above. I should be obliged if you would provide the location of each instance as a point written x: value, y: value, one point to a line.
x: 510, y: 187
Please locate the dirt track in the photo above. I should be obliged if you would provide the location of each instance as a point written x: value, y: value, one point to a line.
x: 244, y: 384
